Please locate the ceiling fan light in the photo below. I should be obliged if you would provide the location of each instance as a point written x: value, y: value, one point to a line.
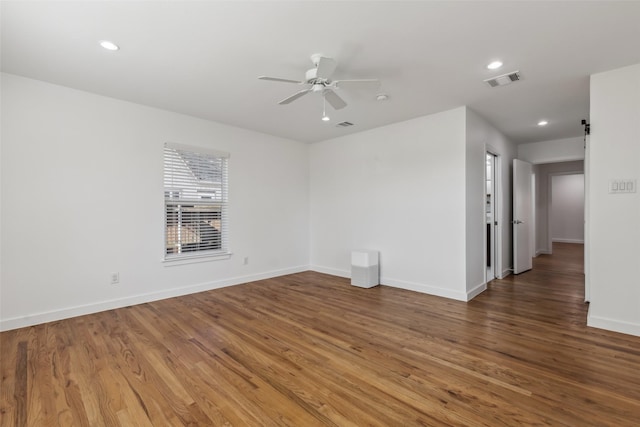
x: 325, y: 118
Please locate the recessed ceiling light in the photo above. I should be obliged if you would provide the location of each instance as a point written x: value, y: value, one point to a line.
x: 494, y: 65
x: 325, y: 118
x: 109, y: 45
x: 382, y: 97
x: 543, y: 123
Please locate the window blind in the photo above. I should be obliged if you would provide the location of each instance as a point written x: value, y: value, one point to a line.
x: 196, y: 201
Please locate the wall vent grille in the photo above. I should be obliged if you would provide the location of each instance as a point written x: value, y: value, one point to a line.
x: 504, y: 79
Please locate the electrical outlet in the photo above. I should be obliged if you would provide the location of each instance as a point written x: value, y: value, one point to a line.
x: 246, y: 260
x: 115, y: 278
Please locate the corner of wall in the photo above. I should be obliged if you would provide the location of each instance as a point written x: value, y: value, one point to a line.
x: 613, y: 234
x: 476, y: 291
x: 482, y: 136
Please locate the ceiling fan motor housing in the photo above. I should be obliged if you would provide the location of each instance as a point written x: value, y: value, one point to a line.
x: 311, y: 75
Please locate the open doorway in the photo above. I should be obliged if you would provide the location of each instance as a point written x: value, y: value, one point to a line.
x: 560, y: 213
x: 491, y: 209
x: 566, y: 211
x: 562, y: 221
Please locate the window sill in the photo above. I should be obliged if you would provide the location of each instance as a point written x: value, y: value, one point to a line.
x: 196, y: 258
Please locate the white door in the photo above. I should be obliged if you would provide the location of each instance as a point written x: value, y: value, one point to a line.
x: 522, y: 205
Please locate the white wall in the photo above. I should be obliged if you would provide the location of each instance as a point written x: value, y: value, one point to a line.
x: 480, y: 138
x: 557, y: 150
x: 82, y: 197
x: 543, y: 174
x: 614, y: 230
x: 415, y: 192
x: 399, y: 189
x: 567, y: 208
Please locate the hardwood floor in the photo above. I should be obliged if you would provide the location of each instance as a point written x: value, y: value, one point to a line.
x: 309, y: 349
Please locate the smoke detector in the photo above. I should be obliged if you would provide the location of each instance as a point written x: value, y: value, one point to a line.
x: 504, y: 79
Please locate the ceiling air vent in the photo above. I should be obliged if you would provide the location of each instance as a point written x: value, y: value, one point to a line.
x: 504, y: 79
x: 344, y: 124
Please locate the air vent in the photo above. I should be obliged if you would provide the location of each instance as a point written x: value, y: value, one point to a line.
x: 344, y: 124
x: 504, y: 79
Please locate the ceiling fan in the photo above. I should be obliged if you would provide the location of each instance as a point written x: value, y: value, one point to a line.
x: 319, y: 80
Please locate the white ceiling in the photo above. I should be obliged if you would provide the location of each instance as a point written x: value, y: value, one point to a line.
x: 203, y: 58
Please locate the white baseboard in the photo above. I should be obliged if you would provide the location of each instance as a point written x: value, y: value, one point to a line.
x: 331, y: 271
x: 65, y: 313
x: 401, y: 284
x: 425, y: 289
x: 556, y: 240
x: 505, y: 273
x: 68, y: 312
x: 613, y: 325
x: 476, y: 291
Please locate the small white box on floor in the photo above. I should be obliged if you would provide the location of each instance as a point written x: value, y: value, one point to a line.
x: 365, y: 269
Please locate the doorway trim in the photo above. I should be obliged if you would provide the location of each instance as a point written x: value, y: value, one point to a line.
x: 587, y: 189
x: 498, y: 213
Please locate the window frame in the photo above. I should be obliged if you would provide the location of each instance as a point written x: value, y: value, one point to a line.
x: 185, y: 169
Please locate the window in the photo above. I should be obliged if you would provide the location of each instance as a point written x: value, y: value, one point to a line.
x: 195, y: 202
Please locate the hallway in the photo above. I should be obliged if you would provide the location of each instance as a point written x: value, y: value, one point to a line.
x: 552, y: 291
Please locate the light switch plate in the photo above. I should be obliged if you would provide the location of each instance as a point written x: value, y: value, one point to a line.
x: 617, y: 186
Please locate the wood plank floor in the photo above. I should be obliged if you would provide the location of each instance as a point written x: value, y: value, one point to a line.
x: 309, y: 349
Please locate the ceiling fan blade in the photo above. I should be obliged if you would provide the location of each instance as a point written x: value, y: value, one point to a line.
x: 357, y: 84
x: 277, y: 79
x: 294, y: 96
x: 326, y: 67
x: 333, y: 99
